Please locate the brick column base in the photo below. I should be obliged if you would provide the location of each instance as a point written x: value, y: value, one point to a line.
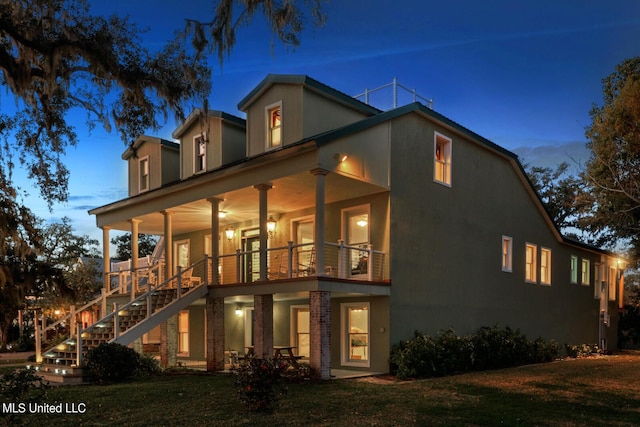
x: 215, y: 334
x: 169, y: 342
x: 263, y: 325
x: 320, y: 333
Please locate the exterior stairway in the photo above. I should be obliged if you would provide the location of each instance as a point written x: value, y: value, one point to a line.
x: 64, y: 362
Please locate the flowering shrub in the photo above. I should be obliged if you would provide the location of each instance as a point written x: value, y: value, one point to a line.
x: 260, y: 383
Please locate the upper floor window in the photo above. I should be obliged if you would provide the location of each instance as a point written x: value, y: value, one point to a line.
x: 530, y: 263
x: 574, y: 269
x: 442, y: 159
x: 274, y: 128
x: 545, y: 266
x: 586, y: 272
x: 507, y: 257
x: 200, y: 153
x: 143, y: 174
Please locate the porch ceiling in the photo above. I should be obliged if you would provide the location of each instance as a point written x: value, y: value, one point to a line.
x: 288, y: 194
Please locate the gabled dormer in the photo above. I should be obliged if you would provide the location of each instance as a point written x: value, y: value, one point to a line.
x: 209, y: 140
x: 284, y: 109
x: 152, y: 163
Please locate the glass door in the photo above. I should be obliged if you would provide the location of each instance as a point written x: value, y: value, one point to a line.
x: 251, y: 258
x: 356, y: 235
x: 300, y: 330
x: 303, y: 261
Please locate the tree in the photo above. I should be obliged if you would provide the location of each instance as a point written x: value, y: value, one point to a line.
x: 146, y: 245
x: 77, y: 260
x: 285, y: 17
x: 55, y: 57
x: 613, y: 170
x: 563, y: 195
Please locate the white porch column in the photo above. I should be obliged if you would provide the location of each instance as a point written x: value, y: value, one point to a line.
x: 320, y: 175
x: 264, y: 234
x: 168, y: 244
x: 106, y: 268
x: 215, y: 236
x: 134, y: 256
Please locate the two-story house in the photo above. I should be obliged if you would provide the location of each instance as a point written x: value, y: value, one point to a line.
x: 326, y: 225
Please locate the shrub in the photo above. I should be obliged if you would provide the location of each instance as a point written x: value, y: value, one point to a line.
x: 23, y: 385
x: 111, y: 362
x: 488, y: 348
x: 260, y: 383
x: 147, y: 365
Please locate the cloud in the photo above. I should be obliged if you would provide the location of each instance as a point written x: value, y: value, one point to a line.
x: 573, y: 153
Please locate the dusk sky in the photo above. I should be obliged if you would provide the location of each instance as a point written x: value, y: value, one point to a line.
x: 522, y: 74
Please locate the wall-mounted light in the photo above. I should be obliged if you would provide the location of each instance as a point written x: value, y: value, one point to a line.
x: 340, y: 157
x: 230, y: 232
x: 238, y: 310
x: 271, y: 226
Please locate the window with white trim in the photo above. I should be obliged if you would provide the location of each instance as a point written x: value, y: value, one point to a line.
x: 574, y: 269
x: 613, y: 278
x: 507, y: 254
x: 143, y: 174
x: 442, y: 159
x: 274, y: 125
x: 597, y: 280
x: 183, y: 333
x: 355, y: 334
x: 531, y: 253
x: 199, y: 153
x: 586, y: 272
x: 545, y: 266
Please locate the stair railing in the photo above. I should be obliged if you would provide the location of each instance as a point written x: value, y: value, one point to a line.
x: 99, y: 301
x: 194, y: 282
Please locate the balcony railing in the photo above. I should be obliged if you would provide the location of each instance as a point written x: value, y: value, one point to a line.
x: 341, y: 261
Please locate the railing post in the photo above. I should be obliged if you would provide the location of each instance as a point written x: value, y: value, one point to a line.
x: 72, y: 320
x: 290, y: 259
x: 79, y: 347
x: 342, y: 264
x: 238, y: 265
x: 116, y: 321
x: 149, y: 304
x: 179, y: 285
x: 36, y: 326
x: 134, y: 284
x: 370, y: 263
x: 103, y: 304
x: 205, y: 262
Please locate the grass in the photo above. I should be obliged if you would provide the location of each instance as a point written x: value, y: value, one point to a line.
x: 601, y: 391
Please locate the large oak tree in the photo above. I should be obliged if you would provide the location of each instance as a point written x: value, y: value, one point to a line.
x: 613, y: 170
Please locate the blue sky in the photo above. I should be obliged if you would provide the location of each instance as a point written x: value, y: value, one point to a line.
x: 522, y: 74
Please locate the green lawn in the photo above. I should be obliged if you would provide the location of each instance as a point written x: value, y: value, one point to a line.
x: 602, y: 391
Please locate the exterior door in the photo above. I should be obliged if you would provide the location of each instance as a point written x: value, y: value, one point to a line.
x: 300, y: 337
x: 355, y: 223
x: 181, y: 254
x: 303, y: 261
x: 251, y: 258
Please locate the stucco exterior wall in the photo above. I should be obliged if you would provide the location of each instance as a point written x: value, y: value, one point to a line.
x: 151, y: 150
x: 446, y: 246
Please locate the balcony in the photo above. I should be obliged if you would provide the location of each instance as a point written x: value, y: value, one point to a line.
x: 361, y: 263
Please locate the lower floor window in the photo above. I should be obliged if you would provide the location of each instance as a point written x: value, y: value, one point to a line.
x: 355, y: 321
x: 183, y: 333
